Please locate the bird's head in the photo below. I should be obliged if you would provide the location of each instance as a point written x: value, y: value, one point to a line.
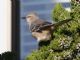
x: 31, y: 17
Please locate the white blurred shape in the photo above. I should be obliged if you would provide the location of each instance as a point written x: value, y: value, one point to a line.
x: 5, y: 26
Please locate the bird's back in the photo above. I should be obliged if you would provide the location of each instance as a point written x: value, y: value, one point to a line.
x: 39, y: 25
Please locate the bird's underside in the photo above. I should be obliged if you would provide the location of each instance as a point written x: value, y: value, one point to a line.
x: 42, y: 36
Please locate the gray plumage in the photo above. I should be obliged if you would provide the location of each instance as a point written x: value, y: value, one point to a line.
x: 40, y: 29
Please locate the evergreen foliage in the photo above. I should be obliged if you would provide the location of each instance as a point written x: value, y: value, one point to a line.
x: 66, y: 44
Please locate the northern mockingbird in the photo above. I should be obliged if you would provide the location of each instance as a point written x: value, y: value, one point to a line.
x: 40, y: 29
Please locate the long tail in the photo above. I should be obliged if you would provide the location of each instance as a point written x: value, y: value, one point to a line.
x: 56, y: 24
x: 62, y: 22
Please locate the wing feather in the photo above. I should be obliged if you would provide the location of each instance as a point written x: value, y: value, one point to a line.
x: 40, y: 25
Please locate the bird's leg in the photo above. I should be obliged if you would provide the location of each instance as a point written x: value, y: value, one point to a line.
x: 52, y: 36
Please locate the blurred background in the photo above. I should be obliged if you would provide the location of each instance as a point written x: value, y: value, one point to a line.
x: 43, y: 8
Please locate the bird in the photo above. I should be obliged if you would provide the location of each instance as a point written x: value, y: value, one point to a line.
x: 40, y: 29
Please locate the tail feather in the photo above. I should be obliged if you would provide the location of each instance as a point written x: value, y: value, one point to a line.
x: 62, y: 22
x: 56, y: 24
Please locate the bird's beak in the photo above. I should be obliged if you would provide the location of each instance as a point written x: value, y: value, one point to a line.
x: 23, y: 17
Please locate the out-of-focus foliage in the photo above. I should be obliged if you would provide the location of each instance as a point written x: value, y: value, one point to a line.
x: 59, y: 13
x: 66, y: 44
